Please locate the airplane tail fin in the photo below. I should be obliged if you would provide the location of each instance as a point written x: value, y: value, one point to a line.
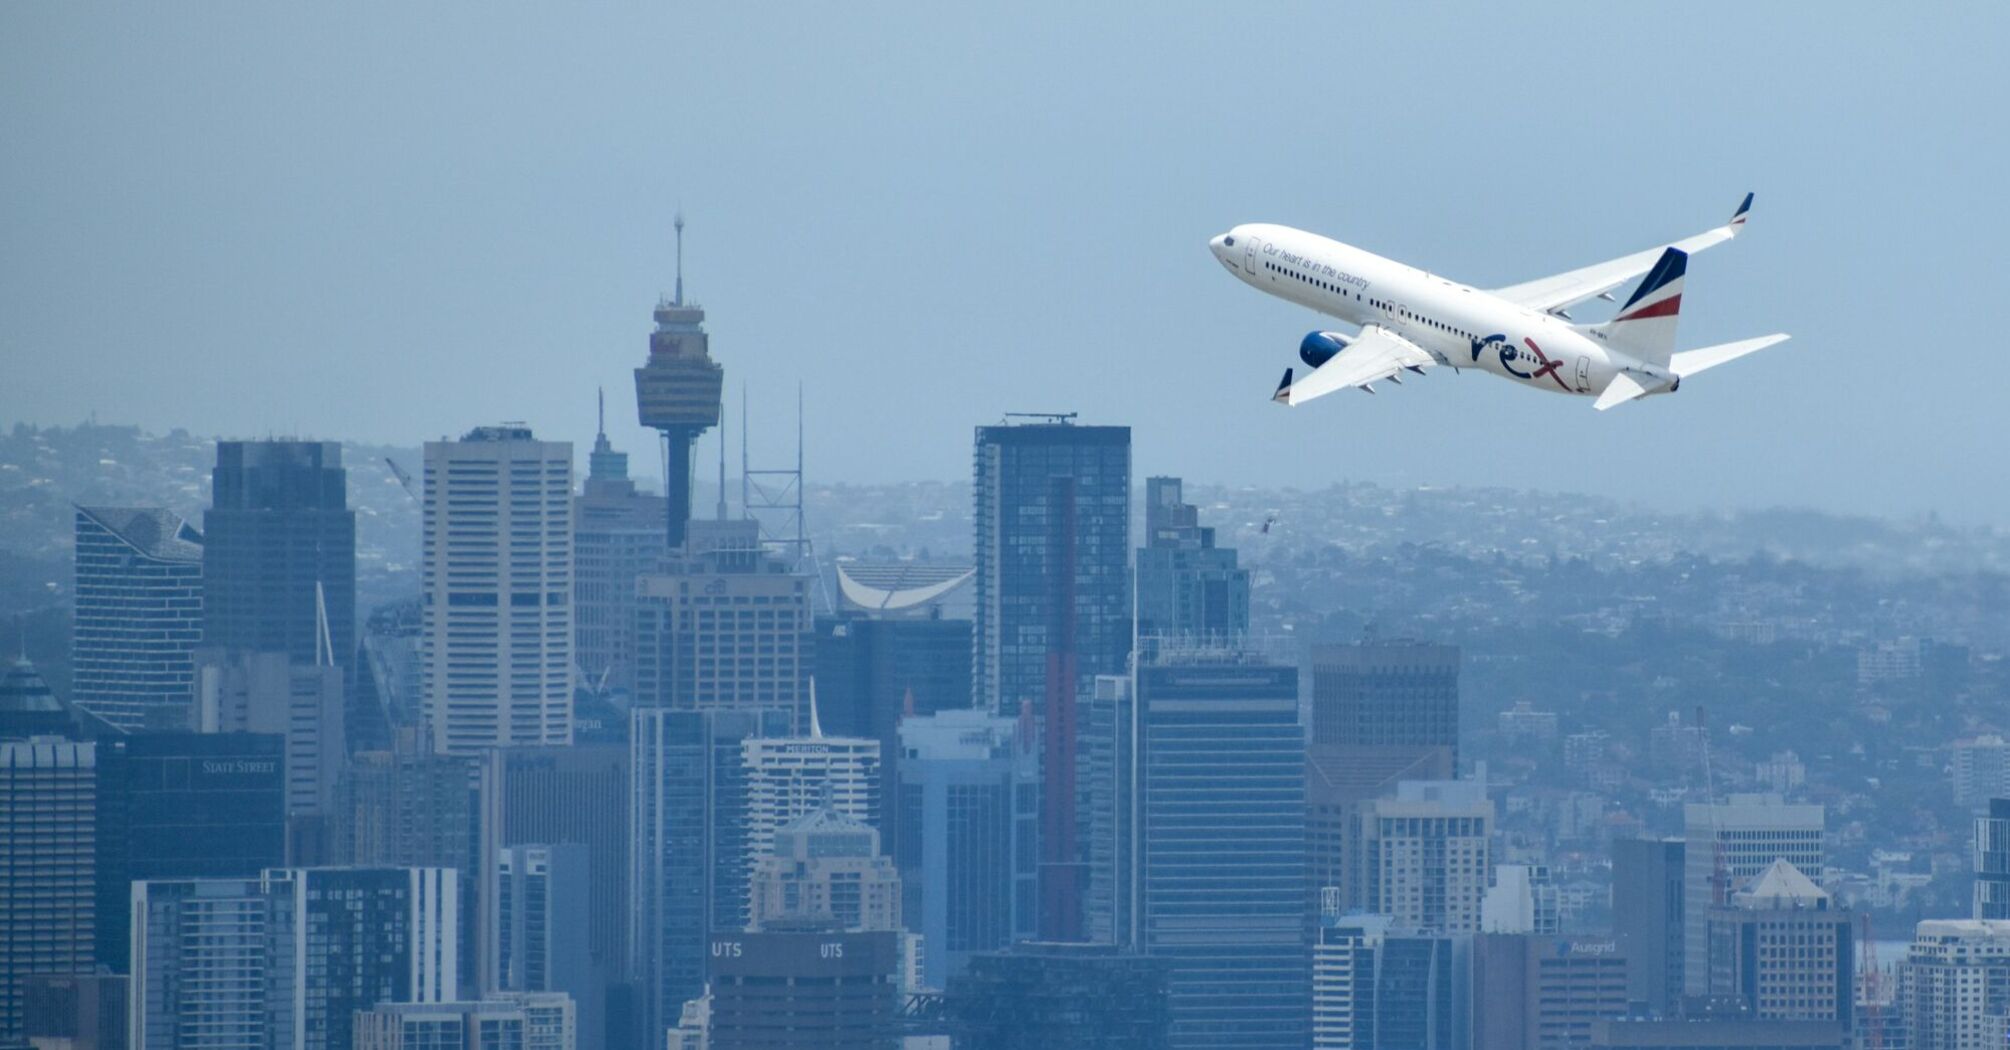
x: 1645, y: 324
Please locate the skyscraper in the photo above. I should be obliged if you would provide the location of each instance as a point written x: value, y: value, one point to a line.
x: 542, y: 931
x: 1041, y: 996
x: 825, y: 869
x: 1106, y: 806
x: 139, y: 617
x: 1784, y: 949
x: 968, y: 805
x: 677, y: 393
x: 824, y: 990
x: 1188, y: 588
x: 1727, y: 845
x: 48, y: 831
x: 279, y: 550
x: 1952, y: 982
x: 617, y: 537
x: 1386, y: 694
x: 247, y: 691
x: 1992, y: 862
x: 1221, y: 812
x: 497, y: 573
x: 1052, y: 505
x: 286, y: 960
x: 1378, y: 985
x: 690, y: 831
x: 1647, y: 903
x: 1424, y: 855
x: 791, y: 777
x: 1544, y: 992
x: 498, y: 1021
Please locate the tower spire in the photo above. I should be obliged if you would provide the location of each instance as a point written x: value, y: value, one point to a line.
x: 601, y: 393
x: 678, y: 223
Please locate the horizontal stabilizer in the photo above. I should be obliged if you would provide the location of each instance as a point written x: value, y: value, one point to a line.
x: 1689, y: 362
x: 1622, y: 389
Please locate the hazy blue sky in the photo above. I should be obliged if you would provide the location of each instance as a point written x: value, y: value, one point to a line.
x: 395, y: 222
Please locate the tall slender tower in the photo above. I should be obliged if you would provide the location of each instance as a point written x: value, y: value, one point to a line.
x: 677, y: 392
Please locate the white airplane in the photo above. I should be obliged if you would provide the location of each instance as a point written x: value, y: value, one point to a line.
x: 1412, y: 320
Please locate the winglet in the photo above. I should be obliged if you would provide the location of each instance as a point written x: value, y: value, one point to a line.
x: 1738, y: 217
x: 1283, y: 394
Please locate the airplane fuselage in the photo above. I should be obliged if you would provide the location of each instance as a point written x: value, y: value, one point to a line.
x: 1462, y: 326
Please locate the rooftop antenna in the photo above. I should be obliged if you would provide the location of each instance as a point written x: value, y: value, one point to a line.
x: 601, y: 393
x: 678, y: 224
x: 722, y: 460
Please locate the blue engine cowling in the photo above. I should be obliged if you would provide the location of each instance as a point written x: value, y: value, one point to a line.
x: 1317, y: 348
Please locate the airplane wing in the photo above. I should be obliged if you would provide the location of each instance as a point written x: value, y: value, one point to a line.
x: 1568, y: 289
x: 1376, y: 354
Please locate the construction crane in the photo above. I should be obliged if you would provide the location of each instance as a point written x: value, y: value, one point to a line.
x: 404, y: 479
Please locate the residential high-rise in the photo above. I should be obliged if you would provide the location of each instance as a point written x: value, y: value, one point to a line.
x: 822, y: 990
x: 1386, y: 694
x: 1424, y: 855
x: 1338, y: 779
x: 279, y: 555
x: 1042, y: 996
x: 791, y: 777
x: 1544, y: 992
x: 1729, y: 844
x: 139, y: 616
x: 48, y: 831
x: 1647, y: 902
x: 1221, y: 811
x: 1992, y: 862
x: 497, y: 1021
x: 968, y: 806
x: 1188, y: 588
x: 1783, y: 949
x: 542, y: 928
x: 286, y: 960
x: 617, y: 538
x: 726, y: 626
x: 496, y: 645
x: 690, y: 831
x: 1041, y: 544
x: 677, y: 392
x: 825, y: 869
x: 1952, y: 984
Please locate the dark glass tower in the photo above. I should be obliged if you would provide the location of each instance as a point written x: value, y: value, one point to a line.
x: 279, y: 525
x: 1189, y: 590
x: 1387, y: 695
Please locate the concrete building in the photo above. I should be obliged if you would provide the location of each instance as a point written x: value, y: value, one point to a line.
x: 1377, y: 985
x: 1424, y: 855
x: 791, y: 777
x: 498, y: 1021
x: 1717, y: 1034
x: 677, y: 393
x: 1386, y: 694
x: 1543, y: 992
x: 1647, y: 917
x: 48, y: 835
x: 286, y: 960
x: 823, y: 990
x: 1521, y: 900
x: 542, y: 932
x: 1189, y: 590
x: 496, y: 644
x: 75, y: 1012
x: 245, y: 691
x: 617, y: 538
x: 1981, y: 770
x: 1106, y: 795
x: 1953, y: 984
x: 825, y: 869
x: 1992, y: 862
x: 138, y: 615
x: 1785, y: 950
x: 1745, y: 834
x: 1042, y: 996
x: 967, y: 849
x: 1220, y: 807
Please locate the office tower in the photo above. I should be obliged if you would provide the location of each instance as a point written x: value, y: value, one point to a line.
x: 1386, y: 694
x: 497, y: 1021
x: 552, y: 795
x: 1544, y: 992
x: 279, y: 556
x: 246, y: 691
x: 1522, y: 899
x: 28, y: 707
x: 1052, y: 529
x: 286, y: 960
x: 1783, y: 949
x: 1041, y: 996
x: 1221, y: 811
x: 75, y: 1012
x: 1727, y: 845
x: 823, y: 990
x: 825, y: 869
x: 1188, y: 588
x: 1378, y: 985
x: 497, y: 639
x: 1424, y: 855
x: 543, y: 923
x: 1338, y: 779
x: 690, y: 832
x: 406, y: 808
x: 677, y: 392
x: 791, y: 777
x: 1952, y: 983
x: 968, y: 807
x: 48, y: 829
x: 1647, y: 903
x: 1718, y: 1034
x: 617, y: 537
x: 183, y: 806
x: 138, y: 614
x: 1107, y: 809
x: 1992, y: 862
x: 727, y: 626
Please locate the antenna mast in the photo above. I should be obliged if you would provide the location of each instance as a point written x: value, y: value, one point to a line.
x: 678, y: 224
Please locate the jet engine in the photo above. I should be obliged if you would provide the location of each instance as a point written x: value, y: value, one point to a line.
x: 1317, y: 348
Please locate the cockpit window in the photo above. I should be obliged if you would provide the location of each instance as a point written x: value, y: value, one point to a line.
x: 1228, y: 241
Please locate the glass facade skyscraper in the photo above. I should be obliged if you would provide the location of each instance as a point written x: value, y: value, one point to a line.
x: 139, y: 618
x: 278, y: 527
x: 1189, y: 590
